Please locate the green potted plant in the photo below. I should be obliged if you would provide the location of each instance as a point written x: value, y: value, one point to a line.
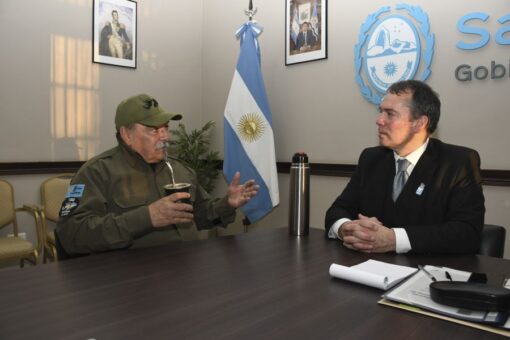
x: 193, y: 148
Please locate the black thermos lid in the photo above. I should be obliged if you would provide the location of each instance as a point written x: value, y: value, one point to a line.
x: 300, y: 157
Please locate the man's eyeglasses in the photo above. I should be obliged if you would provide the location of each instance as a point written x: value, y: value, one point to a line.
x: 147, y: 104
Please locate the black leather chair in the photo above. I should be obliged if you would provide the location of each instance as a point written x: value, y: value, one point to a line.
x: 493, y: 241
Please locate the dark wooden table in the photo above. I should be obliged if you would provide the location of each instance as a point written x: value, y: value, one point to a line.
x: 260, y: 285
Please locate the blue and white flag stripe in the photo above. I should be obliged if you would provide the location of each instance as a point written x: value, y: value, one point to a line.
x: 315, y: 21
x: 251, y: 153
x: 241, y: 101
x: 295, y: 25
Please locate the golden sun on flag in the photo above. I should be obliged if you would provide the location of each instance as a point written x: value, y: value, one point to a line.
x: 251, y: 127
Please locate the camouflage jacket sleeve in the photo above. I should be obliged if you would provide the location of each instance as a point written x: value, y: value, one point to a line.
x: 208, y: 212
x: 211, y: 213
x: 90, y: 225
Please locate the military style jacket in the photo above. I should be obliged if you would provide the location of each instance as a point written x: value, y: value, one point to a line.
x: 106, y: 206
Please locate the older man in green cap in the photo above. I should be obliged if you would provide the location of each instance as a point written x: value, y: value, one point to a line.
x: 117, y: 199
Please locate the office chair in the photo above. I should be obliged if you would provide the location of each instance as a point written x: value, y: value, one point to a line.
x: 53, y: 191
x: 16, y: 248
x: 493, y: 241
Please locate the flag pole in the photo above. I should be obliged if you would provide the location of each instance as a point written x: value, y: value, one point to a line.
x: 250, y: 12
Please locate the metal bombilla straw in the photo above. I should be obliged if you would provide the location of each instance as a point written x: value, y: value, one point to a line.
x: 167, y: 161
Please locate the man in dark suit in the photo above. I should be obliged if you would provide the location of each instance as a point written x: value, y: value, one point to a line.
x: 412, y: 193
x: 305, y: 39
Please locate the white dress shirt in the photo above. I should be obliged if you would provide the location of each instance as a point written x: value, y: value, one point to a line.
x: 403, y: 245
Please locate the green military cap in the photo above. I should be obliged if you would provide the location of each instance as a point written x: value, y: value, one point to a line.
x: 142, y: 109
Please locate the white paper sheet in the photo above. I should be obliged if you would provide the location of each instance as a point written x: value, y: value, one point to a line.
x: 372, y: 273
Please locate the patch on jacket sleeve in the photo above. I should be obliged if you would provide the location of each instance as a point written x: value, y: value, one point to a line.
x: 75, y: 190
x: 69, y: 204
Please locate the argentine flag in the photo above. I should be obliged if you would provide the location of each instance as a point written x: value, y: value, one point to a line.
x: 248, y: 138
x: 315, y: 21
x: 295, y: 27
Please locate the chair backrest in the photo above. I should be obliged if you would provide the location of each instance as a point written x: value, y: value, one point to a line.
x: 53, y: 191
x: 7, y: 210
x: 493, y: 240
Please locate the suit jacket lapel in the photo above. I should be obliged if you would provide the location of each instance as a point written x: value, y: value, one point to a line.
x: 380, y: 188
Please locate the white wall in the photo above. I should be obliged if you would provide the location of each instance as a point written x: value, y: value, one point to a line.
x: 61, y: 103
x: 321, y: 98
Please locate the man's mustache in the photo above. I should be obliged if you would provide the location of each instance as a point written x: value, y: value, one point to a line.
x: 162, y: 145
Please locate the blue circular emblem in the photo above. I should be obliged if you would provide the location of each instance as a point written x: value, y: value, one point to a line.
x: 392, y: 50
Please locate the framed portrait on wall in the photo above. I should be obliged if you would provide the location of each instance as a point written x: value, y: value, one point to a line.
x: 114, y: 32
x: 306, y: 30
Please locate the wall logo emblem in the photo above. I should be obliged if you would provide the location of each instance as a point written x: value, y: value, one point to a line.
x: 392, y: 46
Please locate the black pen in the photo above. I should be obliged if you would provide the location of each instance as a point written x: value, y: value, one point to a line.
x: 420, y: 267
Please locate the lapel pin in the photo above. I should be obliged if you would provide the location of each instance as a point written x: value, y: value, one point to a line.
x: 420, y: 189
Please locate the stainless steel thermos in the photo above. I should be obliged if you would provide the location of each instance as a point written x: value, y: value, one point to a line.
x: 299, y: 198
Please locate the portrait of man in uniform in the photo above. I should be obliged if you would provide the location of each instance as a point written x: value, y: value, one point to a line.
x: 114, y: 41
x: 115, y: 32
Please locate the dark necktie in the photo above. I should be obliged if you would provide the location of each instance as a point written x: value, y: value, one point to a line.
x: 400, y: 177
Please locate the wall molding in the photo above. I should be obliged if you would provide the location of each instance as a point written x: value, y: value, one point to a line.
x: 489, y: 176
x: 33, y: 168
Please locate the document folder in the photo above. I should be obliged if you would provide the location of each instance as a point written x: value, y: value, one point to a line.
x: 416, y: 292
